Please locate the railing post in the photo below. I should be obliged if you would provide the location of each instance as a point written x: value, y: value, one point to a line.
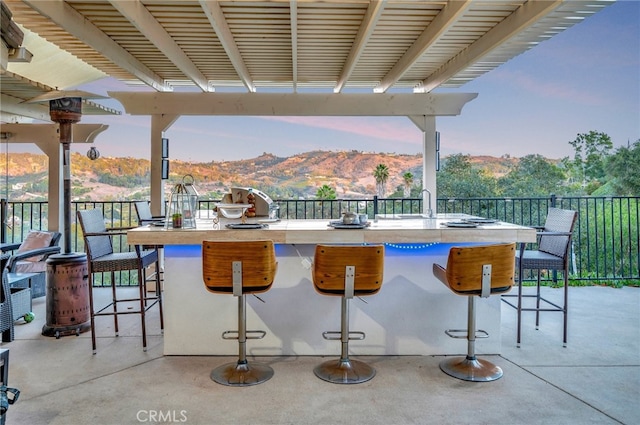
x: 375, y: 206
x: 3, y: 220
x: 553, y: 199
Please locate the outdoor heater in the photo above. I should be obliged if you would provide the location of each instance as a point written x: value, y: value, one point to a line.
x: 67, y: 299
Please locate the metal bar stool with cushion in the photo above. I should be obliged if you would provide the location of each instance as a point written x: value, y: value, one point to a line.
x: 472, y: 271
x: 102, y: 258
x: 347, y: 271
x: 554, y: 241
x: 240, y: 268
x: 143, y: 211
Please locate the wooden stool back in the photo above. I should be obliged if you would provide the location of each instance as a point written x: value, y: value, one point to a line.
x: 258, y: 265
x: 330, y: 263
x: 464, y: 271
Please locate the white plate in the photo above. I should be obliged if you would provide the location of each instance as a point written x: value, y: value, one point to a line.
x: 237, y: 226
x: 460, y: 224
x: 269, y: 220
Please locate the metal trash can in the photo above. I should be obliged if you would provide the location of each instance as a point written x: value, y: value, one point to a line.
x: 67, y: 295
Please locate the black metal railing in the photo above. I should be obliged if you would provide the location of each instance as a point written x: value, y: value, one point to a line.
x: 606, y: 243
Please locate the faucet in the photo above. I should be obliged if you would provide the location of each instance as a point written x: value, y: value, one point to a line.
x: 430, y: 210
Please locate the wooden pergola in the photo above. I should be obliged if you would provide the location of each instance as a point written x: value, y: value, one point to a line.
x: 277, y: 57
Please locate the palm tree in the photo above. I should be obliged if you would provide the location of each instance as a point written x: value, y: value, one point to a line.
x: 408, y: 182
x: 381, y: 174
x: 325, y: 192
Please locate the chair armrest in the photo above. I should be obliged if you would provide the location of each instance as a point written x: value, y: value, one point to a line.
x: 107, y: 233
x: 9, y: 246
x: 112, y: 229
x: 545, y: 233
x: 144, y: 221
x: 13, y: 261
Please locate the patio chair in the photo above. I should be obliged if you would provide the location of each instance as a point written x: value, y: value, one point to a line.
x: 239, y: 268
x: 6, y: 309
x: 103, y: 259
x: 143, y: 211
x: 30, y: 256
x: 475, y: 271
x: 346, y: 271
x: 554, y: 241
x: 144, y: 217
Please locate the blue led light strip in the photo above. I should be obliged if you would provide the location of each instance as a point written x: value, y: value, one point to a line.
x: 410, y: 246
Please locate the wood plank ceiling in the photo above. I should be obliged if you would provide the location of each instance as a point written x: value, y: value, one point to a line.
x: 297, y: 45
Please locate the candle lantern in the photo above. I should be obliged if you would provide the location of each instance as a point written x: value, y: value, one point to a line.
x: 183, y: 205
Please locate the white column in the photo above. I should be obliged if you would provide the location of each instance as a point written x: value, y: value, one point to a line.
x: 159, y: 124
x: 56, y: 213
x: 429, y: 159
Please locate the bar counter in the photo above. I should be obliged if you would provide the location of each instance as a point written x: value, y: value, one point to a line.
x: 407, y: 317
x: 383, y: 230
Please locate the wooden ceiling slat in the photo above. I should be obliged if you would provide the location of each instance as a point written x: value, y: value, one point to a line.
x: 325, y: 33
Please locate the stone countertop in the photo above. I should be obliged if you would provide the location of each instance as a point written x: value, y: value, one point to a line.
x: 391, y: 229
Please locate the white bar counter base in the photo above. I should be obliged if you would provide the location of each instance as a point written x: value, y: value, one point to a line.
x: 407, y: 317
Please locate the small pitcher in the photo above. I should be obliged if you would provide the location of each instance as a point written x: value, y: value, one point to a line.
x: 349, y: 217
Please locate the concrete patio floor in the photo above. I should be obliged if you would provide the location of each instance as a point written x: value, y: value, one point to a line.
x: 594, y: 380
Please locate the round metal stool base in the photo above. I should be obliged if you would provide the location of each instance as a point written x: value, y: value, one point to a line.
x: 344, y: 371
x: 241, y: 374
x: 476, y: 370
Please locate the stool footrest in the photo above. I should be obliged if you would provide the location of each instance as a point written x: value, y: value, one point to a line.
x: 462, y: 333
x: 248, y: 334
x: 337, y: 335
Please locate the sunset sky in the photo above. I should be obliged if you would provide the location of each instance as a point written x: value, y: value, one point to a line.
x: 583, y: 79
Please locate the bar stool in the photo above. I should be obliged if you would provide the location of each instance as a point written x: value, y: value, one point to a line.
x: 347, y: 271
x: 475, y: 271
x: 552, y: 254
x: 239, y: 268
x: 103, y: 257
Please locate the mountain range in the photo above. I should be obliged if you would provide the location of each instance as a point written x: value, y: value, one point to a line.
x: 349, y: 173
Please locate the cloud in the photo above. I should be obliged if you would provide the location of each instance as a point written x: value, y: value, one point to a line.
x: 546, y: 88
x: 396, y: 129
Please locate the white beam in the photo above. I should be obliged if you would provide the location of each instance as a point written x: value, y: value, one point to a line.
x: 367, y: 27
x: 219, y: 24
x: 15, y: 106
x: 293, y: 104
x: 448, y: 16
x: 44, y: 134
x: 145, y: 22
x: 73, y: 22
x: 525, y: 16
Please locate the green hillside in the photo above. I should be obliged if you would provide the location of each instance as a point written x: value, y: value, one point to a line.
x: 350, y: 173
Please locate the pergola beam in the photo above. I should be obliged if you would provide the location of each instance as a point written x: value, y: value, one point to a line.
x: 448, y: 16
x: 525, y: 16
x: 219, y: 24
x: 144, y: 21
x: 65, y: 16
x: 293, y: 104
x: 362, y: 38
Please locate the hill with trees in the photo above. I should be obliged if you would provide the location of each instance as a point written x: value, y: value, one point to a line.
x: 595, y: 169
